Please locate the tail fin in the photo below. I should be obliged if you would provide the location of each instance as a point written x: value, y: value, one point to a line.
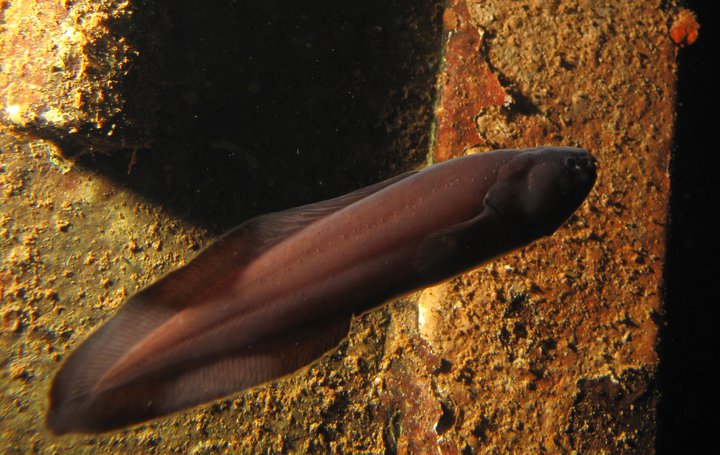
x: 77, y: 404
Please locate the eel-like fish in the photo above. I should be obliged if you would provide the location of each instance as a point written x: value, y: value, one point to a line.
x: 277, y: 292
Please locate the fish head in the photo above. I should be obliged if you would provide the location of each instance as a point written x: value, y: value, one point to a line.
x: 536, y: 190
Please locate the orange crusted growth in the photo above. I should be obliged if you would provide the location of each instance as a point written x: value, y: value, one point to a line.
x: 467, y: 85
x: 685, y: 28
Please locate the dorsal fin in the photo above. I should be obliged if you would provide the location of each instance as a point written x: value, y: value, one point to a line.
x: 277, y: 226
x: 236, y: 248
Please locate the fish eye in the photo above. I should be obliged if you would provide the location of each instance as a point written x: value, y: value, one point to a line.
x: 571, y: 163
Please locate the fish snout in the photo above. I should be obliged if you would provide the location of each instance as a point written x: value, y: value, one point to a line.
x: 581, y: 163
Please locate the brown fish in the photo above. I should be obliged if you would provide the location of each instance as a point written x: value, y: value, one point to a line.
x: 278, y: 291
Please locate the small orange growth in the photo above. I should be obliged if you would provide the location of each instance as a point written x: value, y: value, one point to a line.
x: 685, y: 28
x: 451, y: 21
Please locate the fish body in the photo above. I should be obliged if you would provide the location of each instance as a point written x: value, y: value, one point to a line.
x: 278, y: 291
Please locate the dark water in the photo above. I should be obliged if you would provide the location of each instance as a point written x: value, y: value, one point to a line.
x: 274, y: 104
x: 690, y: 351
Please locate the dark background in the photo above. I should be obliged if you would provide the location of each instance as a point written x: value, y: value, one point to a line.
x: 689, y: 350
x: 279, y: 105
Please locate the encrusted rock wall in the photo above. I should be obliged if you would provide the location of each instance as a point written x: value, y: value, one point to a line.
x: 80, y: 73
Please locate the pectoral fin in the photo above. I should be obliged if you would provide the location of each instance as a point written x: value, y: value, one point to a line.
x: 446, y: 250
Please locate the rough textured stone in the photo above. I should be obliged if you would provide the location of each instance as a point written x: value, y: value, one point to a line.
x: 80, y: 73
x: 565, y: 332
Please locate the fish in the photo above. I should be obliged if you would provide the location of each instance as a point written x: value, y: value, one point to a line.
x: 280, y: 290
